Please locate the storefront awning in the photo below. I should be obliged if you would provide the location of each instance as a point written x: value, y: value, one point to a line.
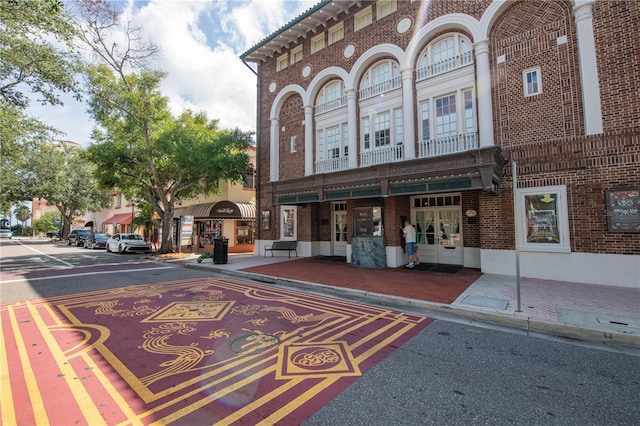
x: 89, y: 224
x: 221, y: 210
x: 122, y: 219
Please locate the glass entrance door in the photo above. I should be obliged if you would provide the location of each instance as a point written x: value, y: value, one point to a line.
x: 438, y: 235
x: 339, y: 234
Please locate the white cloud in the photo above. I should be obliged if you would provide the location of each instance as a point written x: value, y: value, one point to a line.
x: 201, y: 42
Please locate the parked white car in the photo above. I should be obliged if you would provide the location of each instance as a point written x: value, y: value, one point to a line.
x: 128, y: 243
x: 6, y: 233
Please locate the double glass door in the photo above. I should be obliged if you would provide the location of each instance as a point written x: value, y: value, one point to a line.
x: 438, y: 234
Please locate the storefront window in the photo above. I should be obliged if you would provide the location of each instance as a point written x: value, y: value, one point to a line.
x: 208, y: 230
x: 288, y: 228
x: 544, y: 219
x: 244, y: 232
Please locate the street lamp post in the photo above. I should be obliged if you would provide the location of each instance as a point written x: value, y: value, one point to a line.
x: 132, y: 213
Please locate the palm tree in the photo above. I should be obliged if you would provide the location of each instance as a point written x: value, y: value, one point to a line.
x: 22, y: 213
x: 145, y: 219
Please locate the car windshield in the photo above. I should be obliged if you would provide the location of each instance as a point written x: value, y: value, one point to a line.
x: 132, y: 237
x: 84, y: 232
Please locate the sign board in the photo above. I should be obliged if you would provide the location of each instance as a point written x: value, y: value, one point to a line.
x: 186, y: 230
x: 623, y: 210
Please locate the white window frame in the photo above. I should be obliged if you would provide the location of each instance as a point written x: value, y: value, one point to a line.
x: 385, y: 8
x: 535, y: 87
x: 335, y: 33
x: 317, y: 43
x: 296, y: 55
x: 362, y: 19
x: 289, y: 223
x: 294, y: 143
x: 527, y: 211
x: 282, y: 62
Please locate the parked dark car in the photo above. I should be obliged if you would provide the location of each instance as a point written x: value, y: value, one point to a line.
x: 77, y: 237
x: 96, y: 240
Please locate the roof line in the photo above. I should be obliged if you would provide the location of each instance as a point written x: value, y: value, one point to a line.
x: 291, y: 23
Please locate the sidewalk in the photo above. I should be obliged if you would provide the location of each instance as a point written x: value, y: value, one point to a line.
x: 574, y: 310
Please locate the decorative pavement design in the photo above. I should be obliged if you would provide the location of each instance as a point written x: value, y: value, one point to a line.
x: 197, y: 351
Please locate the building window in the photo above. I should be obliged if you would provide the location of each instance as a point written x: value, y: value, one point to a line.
x: 336, y: 33
x: 382, y: 77
x: 317, y: 43
x: 249, y: 180
x: 363, y: 19
x: 331, y: 97
x: 283, y: 61
x: 366, y: 136
x: 446, y: 118
x: 296, y: 55
x: 532, y: 80
x: 425, y: 122
x: 320, y: 144
x: 333, y: 142
x: 288, y: 223
x: 443, y: 55
x: 294, y: 143
x: 385, y: 8
x: 544, y: 219
x: 118, y: 202
x: 469, y: 120
x: 381, y: 130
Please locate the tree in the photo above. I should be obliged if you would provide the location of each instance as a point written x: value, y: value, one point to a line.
x: 22, y: 213
x: 146, y: 219
x: 38, y: 63
x: 64, y: 177
x: 140, y: 147
x: 46, y: 223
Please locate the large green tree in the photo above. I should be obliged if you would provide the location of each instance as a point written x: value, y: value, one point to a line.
x: 64, y: 178
x: 37, y: 64
x: 139, y: 146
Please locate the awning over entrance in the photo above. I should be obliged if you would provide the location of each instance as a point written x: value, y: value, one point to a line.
x: 221, y: 210
x: 122, y: 219
x: 89, y: 224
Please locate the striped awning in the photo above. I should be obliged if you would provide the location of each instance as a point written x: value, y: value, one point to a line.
x: 221, y: 210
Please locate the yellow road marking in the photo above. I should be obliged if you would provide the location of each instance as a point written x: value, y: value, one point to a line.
x: 6, y: 396
x: 32, y: 385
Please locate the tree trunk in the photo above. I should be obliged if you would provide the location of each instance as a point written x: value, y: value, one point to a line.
x: 167, y: 230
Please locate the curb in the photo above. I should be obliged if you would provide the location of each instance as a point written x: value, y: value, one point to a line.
x: 526, y: 324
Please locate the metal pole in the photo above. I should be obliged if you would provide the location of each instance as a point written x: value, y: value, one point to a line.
x: 515, y: 225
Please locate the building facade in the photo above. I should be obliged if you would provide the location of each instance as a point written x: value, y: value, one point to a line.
x: 371, y: 113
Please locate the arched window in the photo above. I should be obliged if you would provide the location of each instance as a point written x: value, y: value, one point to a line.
x: 330, y: 97
x: 382, y: 77
x: 444, y: 54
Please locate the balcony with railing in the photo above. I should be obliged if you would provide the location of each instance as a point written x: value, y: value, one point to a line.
x: 332, y: 165
x: 389, y: 154
x: 447, y: 65
x: 447, y: 145
x: 331, y: 105
x: 380, y: 88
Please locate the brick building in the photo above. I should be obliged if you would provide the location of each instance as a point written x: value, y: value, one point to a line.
x: 373, y: 112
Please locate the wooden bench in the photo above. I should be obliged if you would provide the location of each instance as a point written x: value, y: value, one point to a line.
x: 282, y: 246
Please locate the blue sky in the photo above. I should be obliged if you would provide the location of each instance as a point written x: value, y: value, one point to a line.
x: 200, y: 43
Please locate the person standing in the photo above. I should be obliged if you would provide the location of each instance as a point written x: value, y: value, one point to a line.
x: 409, y: 234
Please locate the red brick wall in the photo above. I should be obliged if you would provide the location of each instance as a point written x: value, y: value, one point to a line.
x: 545, y: 133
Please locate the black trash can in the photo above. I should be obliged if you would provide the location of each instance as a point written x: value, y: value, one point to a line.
x: 220, y: 250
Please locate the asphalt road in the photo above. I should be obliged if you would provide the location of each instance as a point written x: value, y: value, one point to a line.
x: 453, y: 372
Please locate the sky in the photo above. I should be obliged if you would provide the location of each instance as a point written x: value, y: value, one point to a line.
x: 200, y: 43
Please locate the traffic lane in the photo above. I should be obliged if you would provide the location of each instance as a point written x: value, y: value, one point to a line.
x: 74, y: 280
x: 453, y: 373
x: 25, y: 257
